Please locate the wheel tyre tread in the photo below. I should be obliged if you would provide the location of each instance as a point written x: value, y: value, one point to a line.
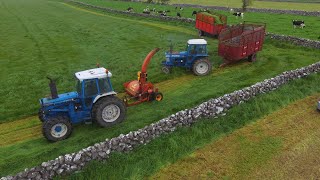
x: 47, y: 125
x: 96, y: 110
x: 198, y: 61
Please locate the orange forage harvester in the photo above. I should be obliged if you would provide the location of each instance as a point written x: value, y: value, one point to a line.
x: 141, y: 90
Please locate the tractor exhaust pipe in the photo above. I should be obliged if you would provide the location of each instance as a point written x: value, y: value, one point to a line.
x: 53, y: 88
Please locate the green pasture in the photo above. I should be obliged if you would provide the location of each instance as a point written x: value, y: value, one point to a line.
x: 308, y: 5
x: 276, y: 23
x: 59, y: 39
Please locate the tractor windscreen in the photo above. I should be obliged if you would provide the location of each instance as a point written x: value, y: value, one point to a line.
x: 104, y: 85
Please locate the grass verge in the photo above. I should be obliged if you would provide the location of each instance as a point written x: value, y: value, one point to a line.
x: 281, y: 145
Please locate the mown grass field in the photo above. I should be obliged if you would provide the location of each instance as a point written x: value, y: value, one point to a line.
x: 276, y: 23
x: 299, y: 5
x: 59, y: 39
x: 281, y: 145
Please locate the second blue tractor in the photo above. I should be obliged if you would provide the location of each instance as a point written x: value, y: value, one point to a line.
x: 195, y: 58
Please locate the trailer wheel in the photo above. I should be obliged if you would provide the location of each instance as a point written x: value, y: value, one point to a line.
x: 158, y: 96
x: 57, y: 129
x: 200, y: 33
x: 252, y: 57
x: 108, y: 111
x: 202, y: 67
x: 165, y: 69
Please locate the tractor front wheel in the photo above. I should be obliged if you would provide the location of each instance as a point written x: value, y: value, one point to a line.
x: 41, y: 115
x: 252, y: 57
x: 57, y: 129
x: 165, y: 69
x: 109, y: 111
x: 202, y: 67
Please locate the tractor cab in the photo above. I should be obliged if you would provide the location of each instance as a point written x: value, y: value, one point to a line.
x: 92, y: 84
x: 94, y: 99
x: 197, y: 47
x: 195, y: 53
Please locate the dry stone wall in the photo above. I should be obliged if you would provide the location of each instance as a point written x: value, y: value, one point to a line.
x: 212, y: 108
x: 295, y: 40
x: 274, y: 11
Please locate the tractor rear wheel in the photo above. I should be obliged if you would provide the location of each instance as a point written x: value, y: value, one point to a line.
x: 202, y: 67
x: 165, y: 69
x: 108, y: 111
x: 252, y: 57
x: 57, y: 129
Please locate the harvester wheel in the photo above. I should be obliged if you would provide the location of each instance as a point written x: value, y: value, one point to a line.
x: 200, y: 33
x: 165, y: 69
x: 202, y: 67
x: 57, y: 129
x: 158, y: 96
x: 40, y: 115
x: 109, y: 111
x: 252, y: 57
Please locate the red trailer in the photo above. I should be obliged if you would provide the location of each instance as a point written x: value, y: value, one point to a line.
x: 210, y: 23
x: 241, y: 41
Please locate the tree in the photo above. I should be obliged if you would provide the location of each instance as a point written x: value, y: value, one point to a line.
x: 245, y: 4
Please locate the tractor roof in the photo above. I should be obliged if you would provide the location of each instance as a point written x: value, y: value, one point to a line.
x: 92, y: 74
x: 197, y: 41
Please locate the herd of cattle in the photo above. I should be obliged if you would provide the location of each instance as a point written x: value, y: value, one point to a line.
x: 147, y: 10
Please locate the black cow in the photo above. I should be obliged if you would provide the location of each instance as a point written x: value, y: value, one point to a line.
x: 163, y: 14
x: 298, y: 23
x: 194, y: 13
x: 238, y: 14
x: 178, y: 14
x: 130, y: 9
x: 181, y: 8
x: 146, y: 12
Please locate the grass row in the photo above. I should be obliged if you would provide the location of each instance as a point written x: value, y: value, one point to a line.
x: 276, y: 23
x: 146, y: 160
x: 277, y: 4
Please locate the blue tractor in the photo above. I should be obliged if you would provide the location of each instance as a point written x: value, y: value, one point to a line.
x: 94, y: 99
x: 195, y: 58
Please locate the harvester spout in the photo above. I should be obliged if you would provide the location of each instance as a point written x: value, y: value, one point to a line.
x: 147, y: 60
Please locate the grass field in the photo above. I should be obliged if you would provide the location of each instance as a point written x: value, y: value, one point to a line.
x: 59, y: 39
x: 299, y: 5
x: 282, y: 145
x: 276, y: 23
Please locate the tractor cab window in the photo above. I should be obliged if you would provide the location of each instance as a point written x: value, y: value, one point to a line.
x: 192, y: 48
x: 202, y: 49
x: 90, y: 88
x: 104, y: 86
